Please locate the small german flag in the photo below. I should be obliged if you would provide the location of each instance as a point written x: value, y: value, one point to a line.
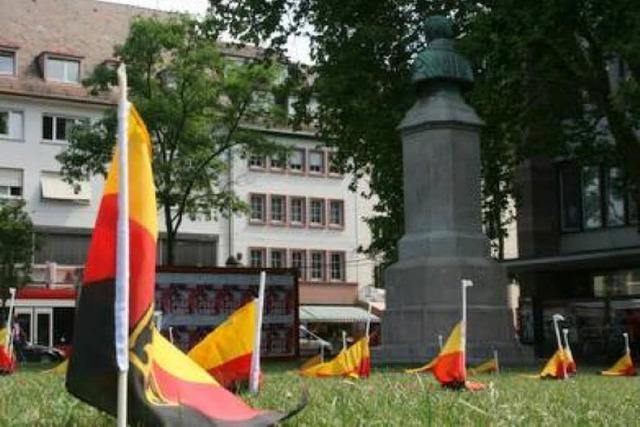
x: 226, y: 352
x: 354, y: 362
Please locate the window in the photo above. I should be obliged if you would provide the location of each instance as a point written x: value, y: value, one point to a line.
x: 297, y: 210
x: 615, y: 197
x: 276, y: 162
x: 55, y: 188
x: 333, y: 168
x: 257, y: 206
x: 336, y: 266
x: 7, y: 62
x: 57, y: 128
x: 298, y: 261
x: 317, y: 265
x: 11, y: 125
x: 296, y: 160
x: 316, y: 162
x: 316, y: 212
x: 257, y: 162
x: 62, y: 70
x: 257, y: 257
x: 570, y: 198
x: 278, y: 258
x: 10, y: 183
x: 591, y: 202
x: 336, y: 213
x: 278, y: 209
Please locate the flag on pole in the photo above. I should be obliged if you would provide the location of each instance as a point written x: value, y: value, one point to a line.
x: 7, y: 359
x: 449, y: 367
x: 426, y: 368
x: 622, y: 368
x: 165, y: 386
x: 354, y: 362
x: 556, y: 367
x: 226, y: 352
x: 486, y: 367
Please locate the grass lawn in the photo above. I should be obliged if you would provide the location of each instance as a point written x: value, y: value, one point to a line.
x: 388, y: 398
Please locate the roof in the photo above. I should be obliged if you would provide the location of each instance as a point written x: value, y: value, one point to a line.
x: 335, y: 314
x: 611, y: 258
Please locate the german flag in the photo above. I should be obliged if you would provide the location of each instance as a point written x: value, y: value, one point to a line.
x: 226, y: 352
x: 423, y: 369
x: 315, y: 360
x: 449, y: 368
x: 7, y: 361
x: 487, y: 367
x: 354, y: 362
x: 622, y: 368
x: 165, y: 386
x: 557, y: 366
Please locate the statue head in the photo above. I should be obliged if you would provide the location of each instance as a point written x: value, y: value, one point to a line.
x: 439, y: 60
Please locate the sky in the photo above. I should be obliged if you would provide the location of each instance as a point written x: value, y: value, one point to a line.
x: 297, y: 47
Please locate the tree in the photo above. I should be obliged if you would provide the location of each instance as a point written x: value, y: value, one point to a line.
x: 542, y: 84
x: 16, y: 247
x: 195, y: 103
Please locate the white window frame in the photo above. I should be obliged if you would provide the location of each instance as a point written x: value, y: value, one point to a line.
x: 340, y: 223
x: 54, y: 127
x: 342, y: 266
x: 323, y: 214
x: 263, y: 257
x: 283, y: 259
x: 5, y: 190
x: 13, y: 54
x: 11, y: 135
x: 323, y: 168
x: 66, y: 62
x: 263, y: 217
x: 283, y: 210
x: 322, y: 270
x: 303, y: 212
x: 302, y: 152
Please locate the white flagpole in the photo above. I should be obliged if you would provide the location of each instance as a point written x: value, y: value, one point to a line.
x: 344, y: 339
x: 556, y: 319
x: 9, y: 343
x: 466, y: 283
x: 254, y: 377
x: 440, y: 342
x: 121, y: 310
x: 565, y: 334
x: 627, y: 348
x: 171, y: 334
x: 495, y: 357
x: 368, y: 327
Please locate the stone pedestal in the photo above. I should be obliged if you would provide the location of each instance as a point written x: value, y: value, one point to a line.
x: 443, y: 241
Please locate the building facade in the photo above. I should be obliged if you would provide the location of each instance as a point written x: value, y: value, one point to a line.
x: 579, y: 255
x: 302, y: 213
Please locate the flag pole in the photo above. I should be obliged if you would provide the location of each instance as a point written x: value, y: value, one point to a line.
x: 466, y: 283
x: 626, y: 342
x: 254, y: 377
x: 495, y: 357
x: 344, y: 339
x: 556, y: 319
x: 440, y: 342
x: 368, y: 327
x: 121, y: 310
x: 9, y: 343
x: 565, y: 334
x: 171, y: 334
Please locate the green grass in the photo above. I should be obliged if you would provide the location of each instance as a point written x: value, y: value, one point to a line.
x: 388, y: 398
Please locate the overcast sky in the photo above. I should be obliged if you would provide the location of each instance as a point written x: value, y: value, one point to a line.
x: 297, y: 47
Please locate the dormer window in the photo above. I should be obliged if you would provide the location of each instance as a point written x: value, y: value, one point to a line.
x: 60, y: 67
x: 7, y: 62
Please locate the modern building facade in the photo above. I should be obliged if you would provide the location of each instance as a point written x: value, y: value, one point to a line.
x: 579, y: 255
x: 302, y: 212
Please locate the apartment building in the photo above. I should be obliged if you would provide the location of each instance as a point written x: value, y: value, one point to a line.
x: 302, y: 212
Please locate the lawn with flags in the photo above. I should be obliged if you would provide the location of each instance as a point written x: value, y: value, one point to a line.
x: 387, y: 397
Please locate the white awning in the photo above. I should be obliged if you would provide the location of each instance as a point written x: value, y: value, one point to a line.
x: 54, y: 188
x: 335, y: 314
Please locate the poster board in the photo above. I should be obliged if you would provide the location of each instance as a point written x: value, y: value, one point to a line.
x: 194, y: 300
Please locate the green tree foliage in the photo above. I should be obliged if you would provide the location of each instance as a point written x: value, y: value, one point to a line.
x: 543, y: 84
x: 16, y: 247
x: 196, y: 103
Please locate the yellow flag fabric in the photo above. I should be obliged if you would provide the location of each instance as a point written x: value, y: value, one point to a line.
x: 622, y: 368
x: 490, y: 365
x: 423, y: 369
x: 354, y: 362
x: 226, y: 352
x: 557, y: 366
x: 454, y: 342
x: 4, y: 336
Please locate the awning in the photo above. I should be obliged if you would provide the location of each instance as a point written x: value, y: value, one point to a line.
x: 53, y: 187
x: 607, y: 259
x: 335, y: 314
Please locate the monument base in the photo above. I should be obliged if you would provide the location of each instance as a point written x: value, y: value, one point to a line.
x: 410, y: 328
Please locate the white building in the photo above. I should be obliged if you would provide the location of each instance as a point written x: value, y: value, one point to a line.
x: 303, y: 215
